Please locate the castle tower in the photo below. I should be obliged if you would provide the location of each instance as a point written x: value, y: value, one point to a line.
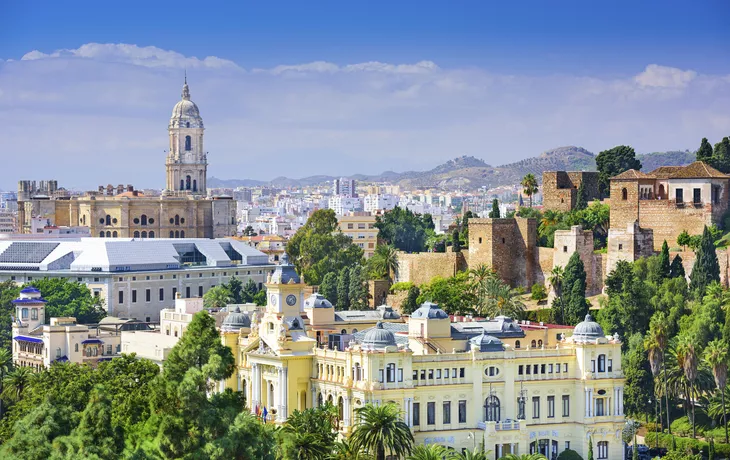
x: 187, y: 162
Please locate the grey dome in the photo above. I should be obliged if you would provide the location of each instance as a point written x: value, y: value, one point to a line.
x: 378, y: 338
x: 285, y: 272
x: 317, y: 301
x: 431, y: 311
x: 236, y: 320
x: 387, y: 312
x: 588, y: 330
x: 185, y: 114
x: 487, y: 342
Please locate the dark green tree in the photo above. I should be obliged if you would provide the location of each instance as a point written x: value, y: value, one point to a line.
x: 721, y: 155
x: 581, y: 199
x: 8, y: 292
x: 465, y: 226
x: 455, y: 242
x: 613, y: 162
x: 574, y: 290
x: 319, y: 247
x: 34, y: 434
x: 358, y: 294
x: 628, y: 309
x: 343, y: 289
x: 328, y: 288
x: 404, y: 230
x: 235, y: 287
x: 676, y: 270
x: 639, y: 386
x: 249, y: 231
x: 704, y: 153
x: 590, y: 448
x: 260, y: 298
x: 664, y: 269
x: 69, y: 298
x: 706, y: 268
x: 411, y: 303
x: 249, y: 291
x: 494, y: 213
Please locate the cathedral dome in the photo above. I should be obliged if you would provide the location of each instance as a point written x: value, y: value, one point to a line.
x: 378, y: 338
x: 185, y: 114
x: 587, y: 330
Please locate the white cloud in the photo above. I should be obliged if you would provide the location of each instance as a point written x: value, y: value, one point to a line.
x: 147, y: 56
x: 98, y: 114
x: 665, y: 77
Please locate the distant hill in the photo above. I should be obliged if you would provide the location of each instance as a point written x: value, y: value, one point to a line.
x: 470, y: 173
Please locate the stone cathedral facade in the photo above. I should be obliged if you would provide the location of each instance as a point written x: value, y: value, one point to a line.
x: 182, y: 211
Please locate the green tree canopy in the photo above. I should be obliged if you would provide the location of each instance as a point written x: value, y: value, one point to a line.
x: 319, y: 247
x: 403, y: 229
x: 613, y: 162
x: 69, y: 298
x: 529, y: 186
x: 706, y: 268
x: 494, y: 213
x: 328, y: 288
x: 704, y: 153
x: 574, y: 291
x: 343, y: 289
x: 217, y: 297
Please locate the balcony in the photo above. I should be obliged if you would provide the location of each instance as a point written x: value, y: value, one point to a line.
x: 506, y: 425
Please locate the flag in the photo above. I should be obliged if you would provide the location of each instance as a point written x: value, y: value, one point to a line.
x: 265, y: 413
x: 256, y: 410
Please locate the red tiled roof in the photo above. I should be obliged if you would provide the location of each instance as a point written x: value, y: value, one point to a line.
x: 698, y: 170
x: 632, y: 174
x: 663, y: 172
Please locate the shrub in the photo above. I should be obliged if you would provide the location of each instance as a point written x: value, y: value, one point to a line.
x: 402, y: 286
x: 538, y: 292
x: 684, y: 444
x: 569, y: 454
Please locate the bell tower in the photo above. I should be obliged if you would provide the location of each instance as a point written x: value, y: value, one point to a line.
x: 187, y: 162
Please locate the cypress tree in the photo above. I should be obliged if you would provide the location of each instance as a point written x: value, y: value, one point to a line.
x: 328, y: 288
x: 721, y: 155
x: 676, y: 270
x: 494, y: 213
x: 581, y: 201
x: 704, y: 153
x: 590, y: 448
x: 664, y: 264
x: 411, y: 303
x: 358, y: 289
x: 455, y: 242
x: 574, y: 290
x: 706, y: 269
x: 343, y: 289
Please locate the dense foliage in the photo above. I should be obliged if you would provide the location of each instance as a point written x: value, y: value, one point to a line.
x: 404, y: 230
x: 613, y: 162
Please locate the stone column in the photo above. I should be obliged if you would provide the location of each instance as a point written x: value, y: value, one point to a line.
x: 346, y: 411
x: 586, y: 403
x: 620, y: 401
x: 255, y: 387
x: 593, y: 403
x: 285, y: 393
x: 499, y: 450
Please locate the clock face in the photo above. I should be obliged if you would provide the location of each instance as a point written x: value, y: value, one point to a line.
x: 272, y: 299
x: 291, y: 299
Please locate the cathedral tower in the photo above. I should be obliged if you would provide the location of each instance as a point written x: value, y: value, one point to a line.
x: 187, y: 162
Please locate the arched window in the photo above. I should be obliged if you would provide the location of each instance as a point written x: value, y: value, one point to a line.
x: 187, y: 125
x: 344, y: 331
x: 182, y: 184
x: 319, y: 400
x: 195, y: 185
x: 187, y: 182
x: 144, y: 234
x: 172, y: 234
x: 177, y: 220
x: 601, y: 363
x: 143, y: 218
x: 340, y: 408
x: 114, y: 233
x: 354, y: 331
x: 108, y: 234
x: 330, y: 399
x: 624, y: 194
x: 661, y: 191
x: 517, y: 344
x: 533, y: 344
x: 491, y: 406
x: 152, y: 234
x: 188, y: 143
x: 182, y: 233
x: 108, y: 220
x: 539, y: 343
x: 136, y: 234
x: 101, y: 234
x: 177, y: 234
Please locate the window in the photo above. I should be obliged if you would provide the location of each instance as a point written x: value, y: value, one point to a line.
x: 430, y: 374
x: 34, y: 314
x: 679, y: 195
x: 174, y: 292
x: 380, y: 372
x: 528, y: 369
x: 423, y: 374
x: 147, y: 295
x: 200, y: 291
x: 416, y: 414
x: 415, y: 375
x: 438, y: 373
x: 462, y: 411
x: 565, y: 248
x: 134, y: 296
x: 135, y: 234
x: 520, y: 369
x: 602, y: 449
x: 601, y: 363
x: 566, y: 406
x: 517, y: 344
x: 697, y: 196
x: 551, y: 406
x: 539, y: 343
x: 565, y: 367
x: 400, y: 375
x: 108, y: 349
x: 453, y: 373
x: 610, y: 365
x: 624, y: 194
x: 143, y: 219
x: 121, y: 296
x: 447, y: 412
x: 24, y: 313
x: 431, y: 413
x: 593, y: 365
x: 535, y: 407
x: 567, y: 445
x: 390, y: 373
x: 542, y: 368
x: 76, y: 347
x: 550, y: 368
x: 599, y: 407
x: 533, y: 344
x: 462, y: 371
x: 491, y: 371
x: 188, y: 143
x: 492, y: 409
x: 480, y: 240
x: 187, y: 292
x: 162, y: 294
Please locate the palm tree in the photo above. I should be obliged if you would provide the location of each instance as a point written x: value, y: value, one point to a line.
x: 497, y: 298
x: 477, y: 454
x: 716, y: 355
x: 524, y: 457
x: 480, y: 273
x: 6, y: 364
x: 15, y: 383
x: 217, y: 298
x: 385, y: 260
x: 344, y: 450
x: 529, y: 183
x: 550, y: 217
x: 656, y: 361
x: 687, y: 360
x: 429, y: 452
x: 660, y: 326
x: 381, y: 430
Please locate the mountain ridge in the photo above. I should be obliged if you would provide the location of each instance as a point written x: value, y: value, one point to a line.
x: 470, y: 173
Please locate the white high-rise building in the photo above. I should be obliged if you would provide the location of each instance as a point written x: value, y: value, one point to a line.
x: 344, y: 187
x: 373, y: 203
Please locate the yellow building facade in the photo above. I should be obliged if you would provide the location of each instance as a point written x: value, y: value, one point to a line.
x: 361, y: 228
x: 511, y: 386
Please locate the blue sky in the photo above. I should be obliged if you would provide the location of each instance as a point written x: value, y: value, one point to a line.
x: 501, y: 81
